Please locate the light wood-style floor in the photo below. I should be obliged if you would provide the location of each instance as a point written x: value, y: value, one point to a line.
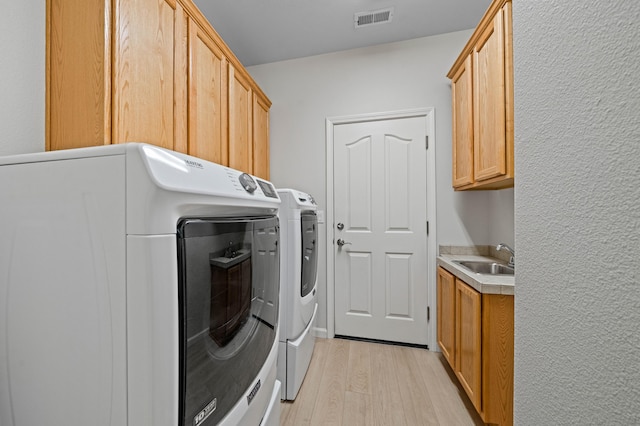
x: 360, y: 383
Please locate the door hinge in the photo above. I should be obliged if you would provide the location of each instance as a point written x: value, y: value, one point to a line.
x: 426, y: 142
x: 428, y: 313
x: 427, y: 227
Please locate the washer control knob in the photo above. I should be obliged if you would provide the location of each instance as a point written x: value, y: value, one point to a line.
x: 247, y: 183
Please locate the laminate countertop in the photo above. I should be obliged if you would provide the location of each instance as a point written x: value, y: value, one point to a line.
x: 483, y: 283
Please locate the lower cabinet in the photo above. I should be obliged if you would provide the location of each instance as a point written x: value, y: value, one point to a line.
x: 468, y: 326
x: 446, y: 315
x: 481, y: 351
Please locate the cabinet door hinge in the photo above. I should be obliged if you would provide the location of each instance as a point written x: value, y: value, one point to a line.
x: 426, y: 142
x: 428, y: 313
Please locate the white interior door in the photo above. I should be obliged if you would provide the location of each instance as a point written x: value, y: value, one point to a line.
x: 380, y: 213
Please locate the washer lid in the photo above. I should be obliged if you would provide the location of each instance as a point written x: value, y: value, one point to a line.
x: 182, y: 173
x: 164, y: 186
x: 297, y: 199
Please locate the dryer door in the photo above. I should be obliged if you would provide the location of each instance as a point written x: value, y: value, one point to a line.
x: 309, y: 224
x: 229, y: 283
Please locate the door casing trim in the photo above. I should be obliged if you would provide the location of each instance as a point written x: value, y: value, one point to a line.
x: 432, y: 246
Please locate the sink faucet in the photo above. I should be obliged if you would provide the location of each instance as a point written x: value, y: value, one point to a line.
x: 512, y: 260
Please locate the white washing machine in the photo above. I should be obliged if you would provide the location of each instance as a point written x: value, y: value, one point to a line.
x: 139, y: 287
x: 298, y: 282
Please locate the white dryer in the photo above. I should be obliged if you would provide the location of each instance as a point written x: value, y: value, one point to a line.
x: 298, y: 280
x: 138, y: 287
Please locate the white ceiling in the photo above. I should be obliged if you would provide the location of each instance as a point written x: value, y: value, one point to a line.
x: 263, y: 31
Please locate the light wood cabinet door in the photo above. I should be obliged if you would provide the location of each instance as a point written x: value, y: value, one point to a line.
x: 446, y: 315
x: 207, y: 97
x: 468, y: 342
x: 489, y: 102
x: 78, y: 99
x: 260, y: 137
x: 497, y: 358
x: 240, y: 122
x: 148, y: 59
x: 462, y: 98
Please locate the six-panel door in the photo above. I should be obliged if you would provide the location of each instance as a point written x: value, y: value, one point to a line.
x: 380, y: 193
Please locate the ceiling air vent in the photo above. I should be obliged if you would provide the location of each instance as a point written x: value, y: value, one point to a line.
x: 364, y: 19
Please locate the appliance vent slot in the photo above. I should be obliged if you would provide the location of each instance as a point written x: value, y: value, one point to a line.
x: 381, y: 16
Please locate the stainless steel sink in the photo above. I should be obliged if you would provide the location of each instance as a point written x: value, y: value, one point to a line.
x: 486, y: 267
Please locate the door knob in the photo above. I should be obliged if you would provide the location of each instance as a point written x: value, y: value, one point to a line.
x: 342, y: 242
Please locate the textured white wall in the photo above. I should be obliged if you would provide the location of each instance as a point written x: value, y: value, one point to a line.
x: 501, y: 222
x: 22, y: 75
x: 577, y: 197
x: 396, y: 76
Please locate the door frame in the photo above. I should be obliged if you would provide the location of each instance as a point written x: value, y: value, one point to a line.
x: 330, y: 122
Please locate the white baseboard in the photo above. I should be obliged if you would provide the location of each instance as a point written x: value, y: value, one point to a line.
x: 320, y: 332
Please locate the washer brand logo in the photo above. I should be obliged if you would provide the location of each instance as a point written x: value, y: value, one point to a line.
x: 253, y: 392
x: 202, y: 415
x: 194, y: 164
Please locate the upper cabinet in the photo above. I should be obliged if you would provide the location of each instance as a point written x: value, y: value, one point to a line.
x: 248, y: 125
x: 151, y: 71
x: 260, y: 131
x: 207, y: 97
x: 148, y: 56
x: 462, y: 101
x: 482, y: 102
x: 240, y: 108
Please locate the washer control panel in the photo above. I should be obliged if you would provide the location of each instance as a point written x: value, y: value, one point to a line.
x: 247, y: 183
